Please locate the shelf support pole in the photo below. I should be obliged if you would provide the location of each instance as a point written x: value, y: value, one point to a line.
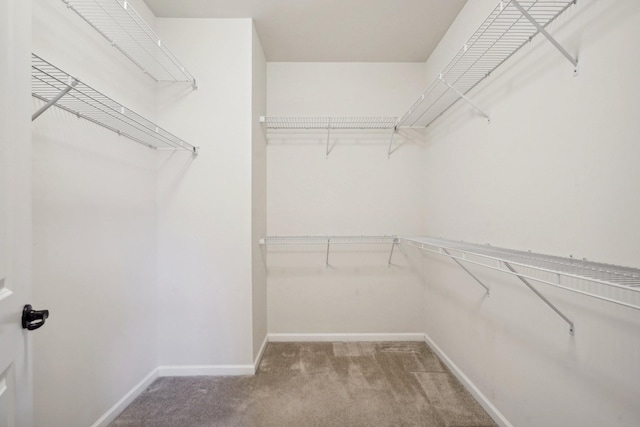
x: 466, y: 270
x: 328, y: 137
x: 53, y: 100
x: 393, y: 245
x: 544, y: 32
x: 542, y: 297
x: 326, y: 265
x: 393, y: 131
x: 463, y: 96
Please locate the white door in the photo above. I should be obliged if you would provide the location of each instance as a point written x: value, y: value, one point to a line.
x: 16, y: 408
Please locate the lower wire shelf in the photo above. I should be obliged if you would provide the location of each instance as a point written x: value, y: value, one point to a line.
x: 611, y: 283
x: 332, y: 240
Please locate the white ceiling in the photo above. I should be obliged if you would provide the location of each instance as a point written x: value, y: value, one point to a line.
x: 332, y: 30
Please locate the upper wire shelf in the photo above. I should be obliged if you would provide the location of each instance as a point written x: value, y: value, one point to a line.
x: 119, y: 23
x: 510, y: 26
x: 328, y: 123
x: 56, y: 87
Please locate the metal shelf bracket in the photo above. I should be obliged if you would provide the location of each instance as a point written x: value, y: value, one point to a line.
x: 552, y: 40
x: 55, y: 99
x: 393, y: 132
x: 328, y: 139
x: 486, y: 288
x: 326, y: 265
x: 393, y: 245
x: 542, y: 297
x: 465, y: 98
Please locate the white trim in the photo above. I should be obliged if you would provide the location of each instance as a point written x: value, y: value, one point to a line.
x: 126, y: 400
x: 493, y: 412
x: 205, y: 370
x: 415, y: 336
x: 258, y: 358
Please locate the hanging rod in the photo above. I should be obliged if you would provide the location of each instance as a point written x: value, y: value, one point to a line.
x: 56, y: 87
x: 119, y: 23
x: 331, y: 240
x: 511, y: 25
x: 547, y: 269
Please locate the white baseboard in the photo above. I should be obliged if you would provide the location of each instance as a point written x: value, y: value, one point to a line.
x: 126, y: 400
x: 493, y: 412
x: 205, y: 370
x: 417, y: 336
x: 258, y: 358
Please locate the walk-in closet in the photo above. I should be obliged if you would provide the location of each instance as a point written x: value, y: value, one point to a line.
x: 323, y: 212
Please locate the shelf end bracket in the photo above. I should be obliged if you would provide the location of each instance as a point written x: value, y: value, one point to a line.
x: 541, y: 29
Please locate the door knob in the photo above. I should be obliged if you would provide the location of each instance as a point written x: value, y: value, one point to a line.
x: 33, y: 319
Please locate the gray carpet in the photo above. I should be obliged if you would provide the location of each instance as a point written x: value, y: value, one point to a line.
x: 316, y: 384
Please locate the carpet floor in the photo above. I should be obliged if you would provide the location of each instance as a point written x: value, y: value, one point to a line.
x: 317, y: 384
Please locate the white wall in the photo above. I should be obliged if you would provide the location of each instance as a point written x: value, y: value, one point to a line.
x: 356, y: 190
x: 258, y: 194
x: 553, y: 173
x: 205, y: 204
x: 94, y: 227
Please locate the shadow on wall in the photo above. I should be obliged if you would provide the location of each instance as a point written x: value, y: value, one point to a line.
x: 178, y: 164
x: 336, y: 138
x: 339, y: 261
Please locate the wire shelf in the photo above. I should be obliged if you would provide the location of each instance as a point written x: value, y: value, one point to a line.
x: 502, y: 34
x: 328, y: 241
x: 119, y: 23
x: 48, y: 83
x: 323, y: 240
x: 551, y: 270
x: 329, y: 123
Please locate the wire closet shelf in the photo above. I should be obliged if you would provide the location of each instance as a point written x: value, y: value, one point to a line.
x: 323, y: 240
x: 328, y: 123
x: 327, y: 241
x: 56, y: 87
x: 119, y: 23
x: 612, y: 283
x: 510, y: 26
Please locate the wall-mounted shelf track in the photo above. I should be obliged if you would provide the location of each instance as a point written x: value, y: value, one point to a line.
x: 119, y: 23
x: 329, y: 124
x: 331, y: 240
x: 611, y: 283
x: 56, y: 87
x: 511, y: 25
